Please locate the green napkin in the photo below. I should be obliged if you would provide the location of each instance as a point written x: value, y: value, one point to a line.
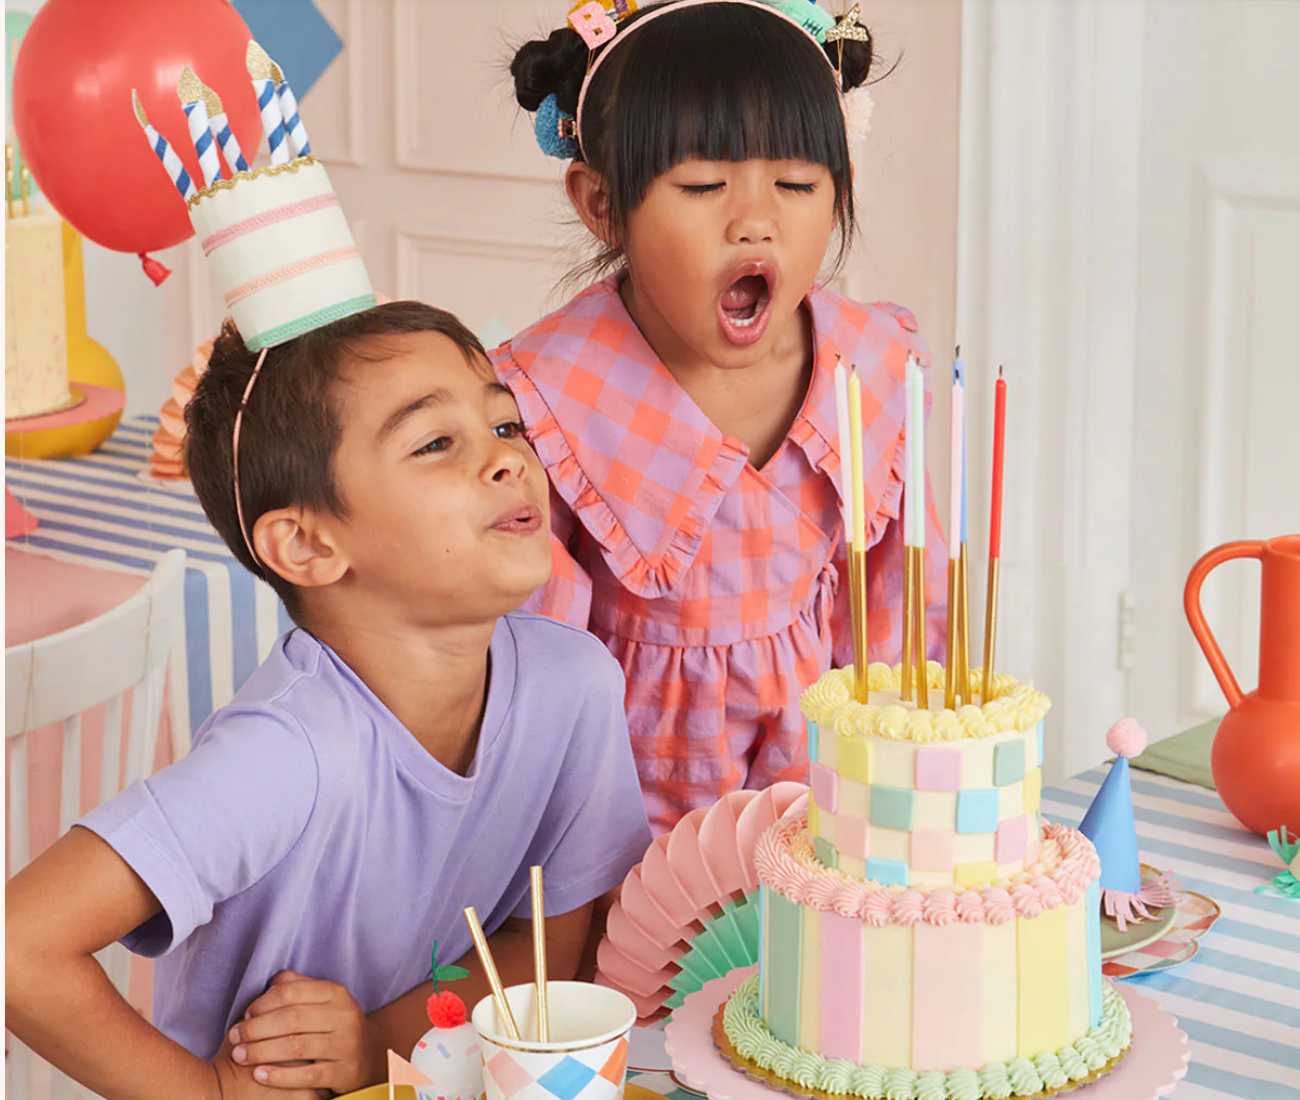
x: 1184, y: 756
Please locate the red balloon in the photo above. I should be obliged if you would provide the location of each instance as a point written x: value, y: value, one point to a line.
x: 77, y: 128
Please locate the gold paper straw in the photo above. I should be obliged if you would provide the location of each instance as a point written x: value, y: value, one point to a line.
x: 990, y: 628
x: 918, y: 629
x: 861, y: 634
x: 909, y: 583
x: 963, y: 624
x: 9, y: 181
x: 539, y: 956
x: 952, y: 664
x: 24, y: 185
x: 490, y: 969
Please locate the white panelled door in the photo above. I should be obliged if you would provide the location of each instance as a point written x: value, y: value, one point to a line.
x: 1217, y: 440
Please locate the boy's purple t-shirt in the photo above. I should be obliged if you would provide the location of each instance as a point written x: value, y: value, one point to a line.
x: 308, y: 830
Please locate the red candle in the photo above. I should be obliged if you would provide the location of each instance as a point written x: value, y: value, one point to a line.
x: 999, y: 439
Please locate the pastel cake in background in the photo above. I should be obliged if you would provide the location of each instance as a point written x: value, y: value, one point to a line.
x: 923, y: 932
x: 36, y: 344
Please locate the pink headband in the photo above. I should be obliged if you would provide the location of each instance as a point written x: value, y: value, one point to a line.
x: 650, y: 17
x: 234, y: 460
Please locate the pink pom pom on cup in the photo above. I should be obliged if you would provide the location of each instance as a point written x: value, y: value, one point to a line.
x: 1126, y: 738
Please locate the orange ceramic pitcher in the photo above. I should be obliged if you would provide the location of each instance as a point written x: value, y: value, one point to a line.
x: 1256, y: 757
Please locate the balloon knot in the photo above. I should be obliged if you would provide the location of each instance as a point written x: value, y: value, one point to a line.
x: 156, y: 271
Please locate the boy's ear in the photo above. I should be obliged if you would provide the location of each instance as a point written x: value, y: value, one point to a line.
x: 298, y: 546
x: 590, y: 198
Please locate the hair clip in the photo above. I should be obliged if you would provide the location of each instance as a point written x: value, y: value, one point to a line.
x: 847, y: 29
x: 813, y: 19
x: 592, y: 22
x: 555, y: 130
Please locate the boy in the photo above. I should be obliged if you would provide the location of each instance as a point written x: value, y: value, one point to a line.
x: 411, y: 749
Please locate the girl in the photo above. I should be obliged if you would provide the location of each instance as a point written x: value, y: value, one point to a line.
x: 684, y: 405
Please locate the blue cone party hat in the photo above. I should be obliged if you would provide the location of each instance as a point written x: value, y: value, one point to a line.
x: 1109, y: 820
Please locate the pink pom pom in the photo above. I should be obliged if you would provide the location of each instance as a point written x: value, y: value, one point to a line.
x: 1126, y: 738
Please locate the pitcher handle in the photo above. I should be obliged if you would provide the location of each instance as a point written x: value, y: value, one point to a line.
x: 1247, y: 548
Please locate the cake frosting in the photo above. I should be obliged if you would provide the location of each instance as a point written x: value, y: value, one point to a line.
x: 923, y: 933
x: 36, y: 343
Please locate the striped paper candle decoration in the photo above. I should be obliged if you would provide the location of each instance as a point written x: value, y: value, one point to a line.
x: 165, y: 152
x: 293, y: 125
x: 220, y: 127
x: 261, y: 70
x: 190, y: 91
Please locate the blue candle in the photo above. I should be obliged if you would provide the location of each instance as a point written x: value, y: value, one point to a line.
x: 165, y: 153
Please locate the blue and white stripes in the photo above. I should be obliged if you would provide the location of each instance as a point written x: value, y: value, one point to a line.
x: 272, y: 121
x: 294, y: 129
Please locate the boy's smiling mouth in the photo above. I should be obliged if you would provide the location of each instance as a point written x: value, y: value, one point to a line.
x: 744, y: 305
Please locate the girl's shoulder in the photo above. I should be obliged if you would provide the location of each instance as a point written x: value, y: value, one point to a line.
x: 593, y: 324
x: 867, y: 334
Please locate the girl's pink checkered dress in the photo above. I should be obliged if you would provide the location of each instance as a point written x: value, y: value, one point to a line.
x: 715, y: 584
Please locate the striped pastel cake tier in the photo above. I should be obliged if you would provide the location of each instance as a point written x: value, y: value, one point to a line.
x: 281, y: 251
x: 922, y: 932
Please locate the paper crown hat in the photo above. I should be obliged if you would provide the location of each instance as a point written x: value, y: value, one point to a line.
x: 278, y: 243
x: 1109, y: 820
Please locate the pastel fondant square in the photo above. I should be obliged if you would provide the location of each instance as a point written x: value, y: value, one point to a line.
x: 1011, y: 800
x: 828, y: 747
x: 977, y: 811
x: 934, y: 810
x: 893, y: 764
x: 814, y: 819
x: 1040, y: 742
x: 975, y: 874
x: 825, y: 852
x: 854, y: 758
x: 1012, y: 837
x: 853, y: 867
x: 938, y: 769
x: 1009, y: 762
x: 887, y: 872
x: 891, y: 808
x: 891, y: 844
x: 852, y: 836
x: 972, y: 847
x: 854, y: 800
x: 932, y: 850
x: 814, y: 740
x: 825, y: 787
x: 1033, y: 789
x: 976, y: 765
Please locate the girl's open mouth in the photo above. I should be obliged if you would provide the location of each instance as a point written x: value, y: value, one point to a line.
x: 744, y: 305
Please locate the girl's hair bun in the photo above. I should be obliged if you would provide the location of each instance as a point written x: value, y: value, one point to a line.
x: 551, y: 66
x: 856, y: 64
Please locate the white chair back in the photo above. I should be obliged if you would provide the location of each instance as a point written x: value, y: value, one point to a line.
x: 129, y: 649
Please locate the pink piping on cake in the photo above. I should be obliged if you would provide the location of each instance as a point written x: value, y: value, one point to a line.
x: 268, y: 217
x: 290, y: 271
x: 1026, y: 895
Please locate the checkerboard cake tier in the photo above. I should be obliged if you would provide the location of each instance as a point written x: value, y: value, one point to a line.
x: 914, y: 798
x: 928, y: 980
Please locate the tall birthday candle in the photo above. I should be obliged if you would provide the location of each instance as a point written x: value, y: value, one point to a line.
x: 916, y: 516
x: 190, y: 90
x: 220, y: 127
x: 166, y: 154
x: 909, y: 559
x: 293, y: 125
x: 953, y: 684
x: 261, y: 69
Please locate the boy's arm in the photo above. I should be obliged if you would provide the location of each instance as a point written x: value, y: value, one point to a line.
x: 400, y: 1024
x: 76, y: 898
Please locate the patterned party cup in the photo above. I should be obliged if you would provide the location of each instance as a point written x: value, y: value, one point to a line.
x: 585, y: 1059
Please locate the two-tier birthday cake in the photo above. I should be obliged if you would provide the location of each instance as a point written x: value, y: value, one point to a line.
x: 923, y: 933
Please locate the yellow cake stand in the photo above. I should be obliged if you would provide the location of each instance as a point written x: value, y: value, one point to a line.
x: 91, y: 371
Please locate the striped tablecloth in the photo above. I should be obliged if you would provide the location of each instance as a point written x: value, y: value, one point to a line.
x: 97, y: 511
x: 1238, y: 999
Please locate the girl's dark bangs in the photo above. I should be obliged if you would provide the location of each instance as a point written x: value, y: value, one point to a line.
x: 721, y: 85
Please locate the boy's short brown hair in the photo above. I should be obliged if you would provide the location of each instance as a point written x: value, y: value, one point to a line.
x: 290, y: 428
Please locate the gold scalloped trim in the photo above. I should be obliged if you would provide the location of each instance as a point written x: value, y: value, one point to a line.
x: 252, y: 173
x: 793, y: 1088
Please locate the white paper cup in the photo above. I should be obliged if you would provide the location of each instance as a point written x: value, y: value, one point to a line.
x: 585, y: 1059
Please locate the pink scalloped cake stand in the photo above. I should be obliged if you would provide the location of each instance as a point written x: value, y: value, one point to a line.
x: 1154, y: 1065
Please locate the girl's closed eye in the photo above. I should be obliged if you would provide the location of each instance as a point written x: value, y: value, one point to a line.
x: 797, y: 188
x: 701, y: 188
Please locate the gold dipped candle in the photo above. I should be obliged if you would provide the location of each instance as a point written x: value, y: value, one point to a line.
x: 952, y: 665
x: 963, y: 625
x: 918, y: 629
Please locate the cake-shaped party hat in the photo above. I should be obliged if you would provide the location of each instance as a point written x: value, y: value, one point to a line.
x: 277, y: 241
x: 1109, y: 825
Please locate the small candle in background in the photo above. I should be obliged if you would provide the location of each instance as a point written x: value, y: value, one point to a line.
x: 165, y: 153
x: 220, y: 127
x: 260, y: 70
x: 294, y: 128
x: 190, y: 91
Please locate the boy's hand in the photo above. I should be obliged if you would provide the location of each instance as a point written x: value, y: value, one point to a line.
x: 311, y: 1022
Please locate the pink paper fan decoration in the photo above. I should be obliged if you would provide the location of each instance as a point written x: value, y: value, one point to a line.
x: 696, y: 881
